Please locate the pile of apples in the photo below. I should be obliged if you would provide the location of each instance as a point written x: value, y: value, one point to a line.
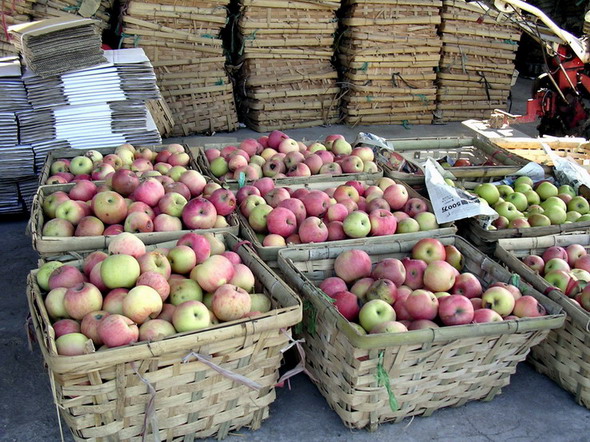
x: 526, y: 204
x: 131, y: 294
x: 423, y: 290
x: 127, y: 203
x: 143, y: 161
x: 280, y: 215
x: 279, y: 156
x: 567, y: 269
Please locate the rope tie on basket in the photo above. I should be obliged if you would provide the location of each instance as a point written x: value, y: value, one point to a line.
x: 252, y: 37
x: 486, y: 84
x: 31, y: 339
x: 406, y: 124
x: 4, y: 13
x: 364, y: 67
x: 222, y: 371
x: 397, y: 75
x: 136, y: 39
x: 383, y: 379
x: 150, y: 409
x: 300, y: 367
x: 422, y: 97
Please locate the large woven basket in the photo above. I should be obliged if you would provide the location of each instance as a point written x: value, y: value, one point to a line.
x: 71, y: 153
x: 415, y: 151
x: 565, y: 355
x: 270, y: 253
x: 169, y: 389
x: 50, y: 246
x: 426, y: 369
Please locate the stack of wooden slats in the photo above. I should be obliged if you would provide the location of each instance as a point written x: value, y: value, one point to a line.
x: 183, y: 40
x: 389, y: 51
x: 286, y: 77
x: 477, y: 64
x: 101, y: 11
x: 12, y: 13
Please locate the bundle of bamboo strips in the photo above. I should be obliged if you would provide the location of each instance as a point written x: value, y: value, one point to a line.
x: 477, y: 62
x: 100, y: 10
x: 389, y: 50
x: 12, y: 13
x: 183, y: 40
x: 286, y: 78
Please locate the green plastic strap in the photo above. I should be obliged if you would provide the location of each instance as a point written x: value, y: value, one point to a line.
x: 309, y: 318
x: 209, y: 36
x: 383, y: 379
x: 422, y: 97
x: 406, y: 124
x: 135, y: 39
x: 369, y: 98
x: 515, y: 280
x: 219, y: 82
x: 241, y: 179
x: 365, y: 66
x: 579, y: 2
x: 510, y: 42
x: 71, y: 8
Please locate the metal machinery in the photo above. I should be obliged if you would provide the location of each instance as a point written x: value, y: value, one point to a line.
x: 560, y: 96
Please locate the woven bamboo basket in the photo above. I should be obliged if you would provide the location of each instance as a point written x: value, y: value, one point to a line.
x: 71, y: 153
x: 174, y: 389
x: 12, y: 14
x: 270, y: 253
x: 51, y: 246
x: 424, y: 370
x: 564, y: 356
x: 162, y: 116
x: 478, y: 151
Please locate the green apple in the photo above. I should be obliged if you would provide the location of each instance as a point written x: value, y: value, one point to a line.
x: 375, y: 312
x: 257, y: 218
x: 579, y: 204
x: 81, y: 165
x: 44, y: 273
x: 567, y: 189
x: 357, y: 224
x: 182, y: 290
x: 505, y: 190
x: 584, y: 218
x: 554, y: 201
x: 488, y: 192
x: 523, y: 180
x: 508, y: 210
x: 556, y: 214
x: 518, y: 199
x: 532, y: 197
x: 426, y: 220
x: 535, y: 208
x: 219, y: 167
x: 546, y: 190
x: 119, y: 271
x: 407, y: 225
x: 522, y: 188
x: 572, y: 216
x: 538, y: 220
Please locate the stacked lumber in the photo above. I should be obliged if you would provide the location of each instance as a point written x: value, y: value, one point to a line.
x: 477, y: 63
x: 183, y: 40
x: 389, y: 51
x: 286, y: 77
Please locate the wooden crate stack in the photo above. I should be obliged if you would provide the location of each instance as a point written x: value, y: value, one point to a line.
x: 12, y: 13
x: 101, y: 11
x: 388, y: 51
x: 286, y: 77
x: 183, y: 40
x: 477, y: 62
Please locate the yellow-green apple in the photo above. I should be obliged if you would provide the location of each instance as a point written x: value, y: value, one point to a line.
x: 155, y: 262
x: 81, y: 164
x: 518, y: 223
x: 182, y: 290
x: 71, y: 211
x: 546, y: 190
x: 360, y: 287
x: 61, y: 165
x: 426, y: 220
x: 566, y: 189
x: 45, y: 271
x: 332, y: 285
x: 454, y: 256
x: 572, y: 217
x: 518, y: 199
x: 109, y: 207
x: 330, y: 139
x: 483, y: 315
x: 511, y: 288
x: 580, y: 274
x: 82, y: 299
x: 508, y: 210
x: 488, y: 192
x: 389, y: 327
x: 116, y: 160
x: 396, y: 196
x: 554, y: 201
x: 584, y: 298
x: 281, y: 221
x: 381, y: 289
x: 498, y: 299
x: 138, y: 222
x: 505, y: 190
x: 407, y: 225
x: 316, y: 146
x: 144, y: 152
x: 356, y: 225
x: 52, y: 202
x: 421, y: 304
x: 340, y: 147
x: 528, y: 307
x: 250, y: 203
x: 216, y: 271
x: 532, y: 197
x: 142, y: 303
x: 455, y: 310
x: 559, y: 278
x: 288, y: 145
x: 523, y: 188
x: 230, y: 302
x: 218, y: 167
x: 199, y: 213
x: 243, y: 277
x: 156, y: 281
x: 72, y: 344
x: 429, y: 250
x: 198, y: 243
x: 65, y: 326
x: 155, y: 330
x: 347, y: 304
x: 313, y: 229
x: 535, y: 208
x: 260, y: 303
x: 579, y: 204
x: 556, y: 264
x: 113, y: 301
x: 258, y: 217
x: 343, y: 192
x: 538, y: 220
x: 468, y: 285
x: 102, y: 171
x: 65, y: 276
x: 353, y: 264
x: 117, y: 330
x: 182, y: 259
x: 89, y: 325
x: 439, y: 276
x: 535, y: 263
x: 54, y: 303
x: 119, y: 271
x: 179, y: 159
x: 523, y: 180
x: 245, y: 192
x: 216, y: 244
x: 172, y: 203
x: 382, y: 222
x: 414, y: 272
x: 375, y: 312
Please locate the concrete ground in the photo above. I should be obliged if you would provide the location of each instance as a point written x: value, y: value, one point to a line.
x: 531, y: 408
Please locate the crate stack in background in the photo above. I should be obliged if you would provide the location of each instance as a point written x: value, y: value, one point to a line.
x: 184, y: 42
x: 286, y: 77
x: 477, y: 63
x: 12, y: 13
x: 102, y: 11
x: 388, y: 52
